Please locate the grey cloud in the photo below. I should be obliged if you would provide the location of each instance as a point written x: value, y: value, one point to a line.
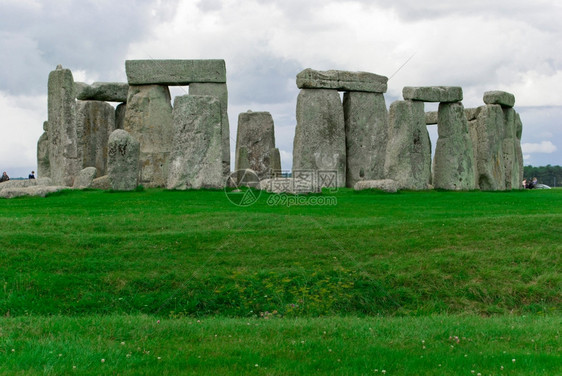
x: 263, y: 79
x: 86, y: 35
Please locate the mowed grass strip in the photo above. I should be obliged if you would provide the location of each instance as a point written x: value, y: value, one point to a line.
x: 149, y: 345
x: 194, y: 253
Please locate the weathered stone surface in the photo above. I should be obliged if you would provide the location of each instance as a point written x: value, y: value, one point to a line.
x: 242, y: 162
x: 387, y: 185
x: 433, y: 93
x: 175, y: 72
x: 431, y: 118
x: 85, y: 178
x: 63, y: 146
x: 123, y: 161
x: 276, y: 162
x: 453, y: 164
x: 293, y: 186
x: 517, y: 174
x: 196, y: 159
x: 256, y: 136
x: 499, y: 97
x: 342, y: 81
x: 366, y: 134
x: 472, y: 113
x: 408, y: 152
x: 148, y: 119
x: 101, y: 183
x: 43, y: 165
x: 220, y: 92
x: 319, y: 143
x: 120, y: 111
x: 45, y: 126
x: 489, y: 157
x: 508, y: 145
x: 39, y: 190
x: 473, y: 133
x: 102, y: 91
x: 95, y: 120
x: 25, y: 183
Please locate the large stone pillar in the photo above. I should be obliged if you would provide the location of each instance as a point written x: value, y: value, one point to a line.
x: 123, y: 161
x: 366, y: 134
x: 489, y: 156
x: 95, y: 120
x: 196, y: 158
x: 408, y: 152
x: 120, y: 111
x: 517, y: 175
x: 63, y: 145
x: 148, y: 118
x: 453, y: 164
x: 508, y: 149
x: 219, y: 91
x: 319, y: 143
x: 43, y: 165
x: 256, y: 140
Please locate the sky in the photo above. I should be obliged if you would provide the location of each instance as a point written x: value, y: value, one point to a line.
x: 480, y: 45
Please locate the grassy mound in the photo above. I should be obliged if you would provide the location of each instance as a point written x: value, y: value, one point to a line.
x: 163, y: 282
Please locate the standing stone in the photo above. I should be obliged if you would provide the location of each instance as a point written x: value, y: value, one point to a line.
x: 517, y: 175
x: 473, y: 133
x: 242, y: 163
x: 276, y: 163
x: 148, y: 119
x: 43, y: 165
x: 95, y: 121
x: 319, y: 143
x: 196, y: 159
x: 453, y: 164
x: 408, y: 152
x: 63, y: 145
x: 508, y: 147
x: 120, y: 111
x: 256, y: 135
x: 123, y: 161
x: 489, y: 157
x: 219, y: 91
x: 366, y: 133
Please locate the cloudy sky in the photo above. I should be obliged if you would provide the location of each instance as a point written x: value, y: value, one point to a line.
x: 481, y: 45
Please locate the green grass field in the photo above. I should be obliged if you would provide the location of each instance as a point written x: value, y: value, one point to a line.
x: 161, y: 282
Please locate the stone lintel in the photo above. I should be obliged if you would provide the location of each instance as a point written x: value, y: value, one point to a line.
x: 444, y: 94
x: 342, y: 81
x: 102, y: 91
x: 175, y: 72
x: 502, y: 98
x: 431, y: 118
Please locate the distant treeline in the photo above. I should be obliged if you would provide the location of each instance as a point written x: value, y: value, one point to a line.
x: 549, y: 175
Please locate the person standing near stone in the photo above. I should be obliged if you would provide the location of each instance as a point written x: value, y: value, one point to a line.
x: 4, y: 177
x: 32, y: 175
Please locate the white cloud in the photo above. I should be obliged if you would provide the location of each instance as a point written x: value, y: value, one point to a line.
x: 22, y: 124
x: 543, y: 147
